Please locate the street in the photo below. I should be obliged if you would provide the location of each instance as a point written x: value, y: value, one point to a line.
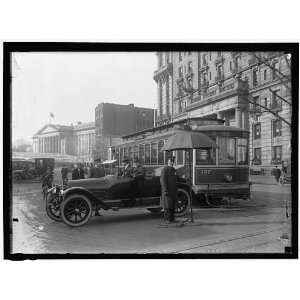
x: 243, y: 226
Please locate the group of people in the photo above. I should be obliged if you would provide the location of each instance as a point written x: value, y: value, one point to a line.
x: 280, y: 174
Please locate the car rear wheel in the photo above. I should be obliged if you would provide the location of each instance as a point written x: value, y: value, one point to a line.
x: 76, y: 210
x: 53, y: 207
x: 183, y: 202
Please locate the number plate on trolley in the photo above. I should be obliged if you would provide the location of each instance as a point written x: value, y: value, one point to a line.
x: 204, y: 172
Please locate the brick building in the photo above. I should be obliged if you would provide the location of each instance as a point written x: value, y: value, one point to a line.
x: 112, y: 121
x: 219, y: 84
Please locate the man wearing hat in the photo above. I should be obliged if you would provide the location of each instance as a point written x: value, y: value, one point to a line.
x: 126, y: 170
x: 97, y: 171
x: 138, y: 171
x: 168, y: 182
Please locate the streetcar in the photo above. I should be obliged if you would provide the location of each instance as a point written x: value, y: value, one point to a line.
x: 216, y: 172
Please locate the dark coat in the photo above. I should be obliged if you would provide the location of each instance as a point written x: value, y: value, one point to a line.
x: 96, y: 172
x: 77, y: 174
x: 64, y: 172
x: 168, y: 182
x: 138, y: 172
x: 126, y: 172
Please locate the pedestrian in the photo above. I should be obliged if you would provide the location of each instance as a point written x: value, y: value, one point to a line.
x: 81, y: 172
x: 75, y: 173
x: 276, y: 173
x: 97, y: 171
x: 47, y: 181
x: 168, y: 182
x: 64, y: 174
x: 127, y: 169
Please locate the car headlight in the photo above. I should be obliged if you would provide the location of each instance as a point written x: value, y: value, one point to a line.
x: 228, y: 178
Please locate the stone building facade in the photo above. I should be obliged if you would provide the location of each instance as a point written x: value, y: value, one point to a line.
x: 78, y: 140
x: 220, y: 85
x: 112, y: 121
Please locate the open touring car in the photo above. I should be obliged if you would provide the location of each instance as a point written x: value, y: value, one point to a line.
x: 75, y: 204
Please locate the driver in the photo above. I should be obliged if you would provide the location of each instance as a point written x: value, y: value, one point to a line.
x: 138, y: 171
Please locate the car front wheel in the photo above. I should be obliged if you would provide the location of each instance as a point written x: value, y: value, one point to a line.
x: 183, y: 202
x: 53, y: 207
x: 76, y: 210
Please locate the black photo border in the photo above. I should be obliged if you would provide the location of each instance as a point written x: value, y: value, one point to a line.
x: 9, y: 47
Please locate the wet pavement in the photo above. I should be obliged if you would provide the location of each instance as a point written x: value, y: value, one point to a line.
x: 243, y: 226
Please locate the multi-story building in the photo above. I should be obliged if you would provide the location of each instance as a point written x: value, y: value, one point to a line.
x: 78, y: 140
x: 241, y: 88
x: 112, y: 121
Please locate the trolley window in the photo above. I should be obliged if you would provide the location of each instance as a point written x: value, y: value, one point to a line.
x: 179, y: 156
x: 130, y: 153
x: 226, y: 150
x: 135, y: 151
x: 168, y: 155
x: 154, y: 154
x: 142, y: 153
x: 147, y: 154
x: 160, y: 152
x: 242, y: 151
x: 206, y: 156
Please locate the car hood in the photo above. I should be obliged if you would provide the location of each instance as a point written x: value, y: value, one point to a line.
x: 90, y: 183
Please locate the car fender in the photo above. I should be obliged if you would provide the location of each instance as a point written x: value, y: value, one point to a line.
x: 83, y: 191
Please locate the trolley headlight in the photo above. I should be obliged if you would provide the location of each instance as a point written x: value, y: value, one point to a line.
x: 227, y: 178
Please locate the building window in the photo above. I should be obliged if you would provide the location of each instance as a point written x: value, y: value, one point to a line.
x: 219, y: 54
x: 204, y: 59
x: 276, y: 154
x: 266, y: 102
x: 256, y: 108
x: 209, y: 55
x: 167, y: 57
x: 276, y: 102
x: 255, y: 79
x: 180, y: 56
x: 189, y: 52
x: 160, y: 59
x: 274, y: 72
x: 209, y: 75
x: 230, y: 65
x: 257, y: 131
x: 257, y: 156
x: 190, y: 67
x: 265, y: 75
x: 180, y: 72
x: 276, y: 127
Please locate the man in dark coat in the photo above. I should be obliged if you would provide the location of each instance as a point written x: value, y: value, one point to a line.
x: 64, y: 174
x: 47, y: 181
x: 168, y: 182
x: 127, y: 169
x: 97, y: 171
x: 276, y: 173
x: 138, y: 172
x: 76, y: 173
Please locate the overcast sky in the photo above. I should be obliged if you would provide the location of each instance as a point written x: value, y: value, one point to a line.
x: 70, y: 85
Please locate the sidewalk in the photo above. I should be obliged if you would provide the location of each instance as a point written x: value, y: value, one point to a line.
x: 263, y: 179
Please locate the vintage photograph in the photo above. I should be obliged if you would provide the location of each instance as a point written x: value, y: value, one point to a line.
x: 174, y: 150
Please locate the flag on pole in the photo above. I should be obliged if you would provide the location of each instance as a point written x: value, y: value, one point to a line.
x: 51, y: 115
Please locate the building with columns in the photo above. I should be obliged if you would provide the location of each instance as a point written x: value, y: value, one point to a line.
x: 220, y: 84
x: 91, y: 140
x: 78, y: 140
